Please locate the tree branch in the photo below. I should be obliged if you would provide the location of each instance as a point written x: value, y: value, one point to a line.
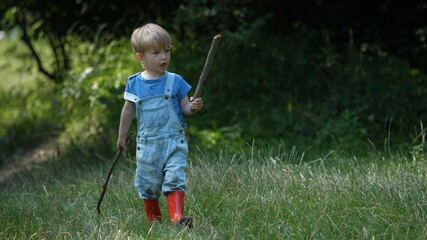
x: 25, y: 37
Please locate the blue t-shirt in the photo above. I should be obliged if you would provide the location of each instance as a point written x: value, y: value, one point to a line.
x: 138, y: 88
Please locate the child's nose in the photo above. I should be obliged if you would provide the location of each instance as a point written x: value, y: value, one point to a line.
x: 163, y: 55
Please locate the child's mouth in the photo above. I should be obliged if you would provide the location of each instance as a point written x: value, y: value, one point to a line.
x: 163, y: 65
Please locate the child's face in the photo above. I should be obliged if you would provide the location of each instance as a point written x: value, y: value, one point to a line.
x: 156, y: 60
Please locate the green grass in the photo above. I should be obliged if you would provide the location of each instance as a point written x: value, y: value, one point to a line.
x: 232, y: 194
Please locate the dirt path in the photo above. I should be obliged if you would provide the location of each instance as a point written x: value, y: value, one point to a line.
x: 43, y: 153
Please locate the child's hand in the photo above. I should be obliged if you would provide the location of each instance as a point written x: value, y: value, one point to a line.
x: 196, y: 104
x: 122, y: 144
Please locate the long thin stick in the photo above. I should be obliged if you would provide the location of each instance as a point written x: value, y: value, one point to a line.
x: 208, y: 62
x: 107, y: 179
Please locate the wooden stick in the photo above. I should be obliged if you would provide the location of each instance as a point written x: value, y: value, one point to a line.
x: 107, y: 179
x: 208, y: 62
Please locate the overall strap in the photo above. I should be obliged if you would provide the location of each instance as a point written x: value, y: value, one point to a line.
x: 169, y: 83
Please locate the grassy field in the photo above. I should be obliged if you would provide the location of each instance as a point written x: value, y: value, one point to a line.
x: 266, y: 193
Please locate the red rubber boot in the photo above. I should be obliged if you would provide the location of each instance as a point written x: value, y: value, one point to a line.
x: 176, y: 209
x: 152, y: 209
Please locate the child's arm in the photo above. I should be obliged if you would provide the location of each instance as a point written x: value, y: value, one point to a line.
x: 190, y: 107
x: 125, y: 120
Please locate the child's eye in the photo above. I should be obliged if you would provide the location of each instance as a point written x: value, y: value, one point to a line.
x: 167, y: 50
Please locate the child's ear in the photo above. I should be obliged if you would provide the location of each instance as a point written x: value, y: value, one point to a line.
x: 139, y: 57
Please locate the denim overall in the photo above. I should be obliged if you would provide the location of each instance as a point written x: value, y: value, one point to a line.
x: 161, y: 144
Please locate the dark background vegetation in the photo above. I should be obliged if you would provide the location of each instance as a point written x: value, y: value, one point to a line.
x: 348, y: 75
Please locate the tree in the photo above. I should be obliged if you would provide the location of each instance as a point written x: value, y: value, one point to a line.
x: 57, y: 21
x: 395, y: 25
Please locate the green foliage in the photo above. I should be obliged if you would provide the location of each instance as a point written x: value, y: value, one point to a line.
x: 27, y: 117
x: 418, y: 152
x: 302, y: 90
x: 304, y: 84
x: 93, y: 96
x: 301, y: 87
x: 344, y: 131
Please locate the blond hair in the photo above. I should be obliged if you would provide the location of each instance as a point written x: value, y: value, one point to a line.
x: 150, y: 37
